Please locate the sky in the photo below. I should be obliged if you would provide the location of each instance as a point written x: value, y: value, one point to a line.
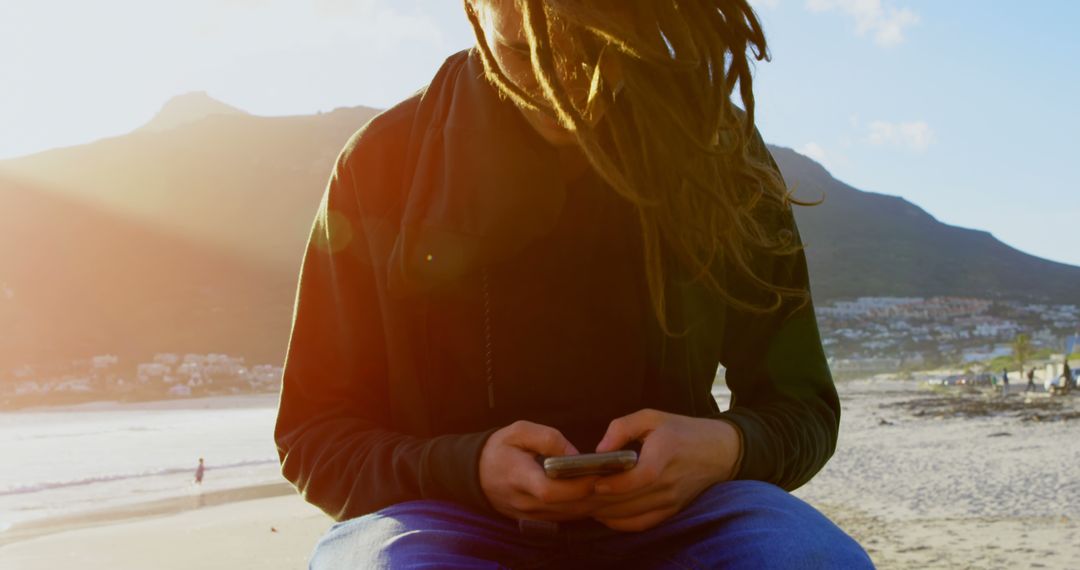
x: 964, y: 108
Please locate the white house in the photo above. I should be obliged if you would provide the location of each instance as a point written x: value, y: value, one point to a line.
x: 179, y: 391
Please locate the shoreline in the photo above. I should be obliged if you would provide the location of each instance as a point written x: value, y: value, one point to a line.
x: 223, y: 401
x: 139, y: 512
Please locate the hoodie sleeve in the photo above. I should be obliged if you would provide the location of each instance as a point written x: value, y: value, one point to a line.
x: 332, y: 431
x: 784, y: 402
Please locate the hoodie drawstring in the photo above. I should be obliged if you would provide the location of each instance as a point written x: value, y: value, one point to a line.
x: 488, y: 361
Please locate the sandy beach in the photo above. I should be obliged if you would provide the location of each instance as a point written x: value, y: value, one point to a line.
x: 922, y: 479
x: 272, y: 534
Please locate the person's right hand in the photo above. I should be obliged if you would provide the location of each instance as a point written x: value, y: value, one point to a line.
x: 515, y: 483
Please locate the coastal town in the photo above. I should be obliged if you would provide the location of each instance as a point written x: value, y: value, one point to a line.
x: 862, y: 337
x: 107, y: 377
x: 872, y: 335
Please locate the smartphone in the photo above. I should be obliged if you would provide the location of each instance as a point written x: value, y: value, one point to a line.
x: 609, y: 463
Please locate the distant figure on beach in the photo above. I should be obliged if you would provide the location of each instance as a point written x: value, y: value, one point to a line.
x: 1066, y: 378
x: 1004, y: 381
x: 1031, y: 381
x: 548, y: 251
x: 199, y: 472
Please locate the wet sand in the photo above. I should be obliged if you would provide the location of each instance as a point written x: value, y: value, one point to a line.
x: 151, y: 509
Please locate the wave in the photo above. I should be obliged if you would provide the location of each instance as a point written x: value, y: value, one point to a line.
x: 51, y: 485
x: 59, y: 435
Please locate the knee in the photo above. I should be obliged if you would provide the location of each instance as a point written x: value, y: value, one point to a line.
x: 779, y: 530
x: 816, y: 548
x: 395, y: 537
x: 354, y: 543
x: 363, y: 541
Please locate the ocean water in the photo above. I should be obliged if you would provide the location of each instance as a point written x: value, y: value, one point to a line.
x: 65, y: 461
x: 79, y: 459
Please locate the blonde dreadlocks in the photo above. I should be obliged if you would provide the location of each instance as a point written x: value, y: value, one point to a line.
x: 672, y: 143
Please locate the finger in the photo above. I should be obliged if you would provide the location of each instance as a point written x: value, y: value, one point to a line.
x: 638, y: 523
x: 648, y: 502
x: 540, y: 439
x: 525, y: 505
x: 566, y: 513
x: 622, y: 431
x: 557, y: 491
x: 552, y: 516
x: 636, y: 480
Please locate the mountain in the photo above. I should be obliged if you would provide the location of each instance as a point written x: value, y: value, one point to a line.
x: 861, y: 243
x: 188, y: 108
x: 77, y: 281
x: 188, y: 238
x: 241, y: 183
x: 180, y: 240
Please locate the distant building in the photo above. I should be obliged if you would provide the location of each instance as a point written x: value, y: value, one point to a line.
x: 264, y: 376
x: 863, y: 365
x: 913, y: 359
x: 150, y: 371
x: 984, y: 355
x: 73, y: 385
x: 1044, y: 337
x: 103, y: 361
x: 864, y: 306
x: 180, y: 391
x: 30, y: 387
x: 168, y: 359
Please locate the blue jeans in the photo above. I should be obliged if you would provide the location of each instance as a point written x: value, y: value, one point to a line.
x: 738, y: 524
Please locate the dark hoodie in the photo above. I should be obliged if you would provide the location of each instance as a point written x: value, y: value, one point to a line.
x: 456, y: 281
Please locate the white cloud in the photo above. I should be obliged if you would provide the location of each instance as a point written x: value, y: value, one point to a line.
x: 885, y: 22
x: 814, y: 151
x: 915, y: 135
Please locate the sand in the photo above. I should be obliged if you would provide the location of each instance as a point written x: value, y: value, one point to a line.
x: 921, y: 479
x: 951, y: 488
x: 270, y: 534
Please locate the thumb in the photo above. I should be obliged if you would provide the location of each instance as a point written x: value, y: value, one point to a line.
x: 629, y: 428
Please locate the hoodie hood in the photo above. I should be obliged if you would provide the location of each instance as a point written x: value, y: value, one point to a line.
x: 479, y: 183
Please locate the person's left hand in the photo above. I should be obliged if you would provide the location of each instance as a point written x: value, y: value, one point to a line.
x: 680, y: 457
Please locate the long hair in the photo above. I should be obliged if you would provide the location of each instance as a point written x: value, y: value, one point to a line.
x: 672, y: 142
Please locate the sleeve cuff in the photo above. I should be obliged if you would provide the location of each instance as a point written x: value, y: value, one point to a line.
x: 452, y: 470
x: 752, y: 464
x: 742, y: 446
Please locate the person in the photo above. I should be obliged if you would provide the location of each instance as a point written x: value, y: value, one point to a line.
x: 1066, y: 378
x: 1030, y: 381
x: 1004, y: 381
x: 546, y: 251
x: 199, y: 472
